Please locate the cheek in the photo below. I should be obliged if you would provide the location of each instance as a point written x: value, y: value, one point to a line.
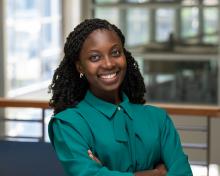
x: 90, y: 69
x: 124, y: 63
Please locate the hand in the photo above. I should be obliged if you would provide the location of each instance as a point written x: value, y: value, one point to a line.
x: 93, y: 157
x: 153, y: 172
x: 160, y: 170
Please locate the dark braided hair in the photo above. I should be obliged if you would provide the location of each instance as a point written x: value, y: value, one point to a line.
x: 68, y: 89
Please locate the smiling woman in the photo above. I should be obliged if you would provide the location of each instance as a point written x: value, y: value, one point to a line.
x: 100, y: 125
x: 103, y: 63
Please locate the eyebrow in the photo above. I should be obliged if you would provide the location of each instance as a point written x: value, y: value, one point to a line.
x: 96, y: 50
x: 115, y: 45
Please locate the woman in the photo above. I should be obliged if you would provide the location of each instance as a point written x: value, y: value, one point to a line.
x: 101, y: 126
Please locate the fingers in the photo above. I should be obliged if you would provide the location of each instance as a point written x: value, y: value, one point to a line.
x: 93, y: 157
x: 161, y: 168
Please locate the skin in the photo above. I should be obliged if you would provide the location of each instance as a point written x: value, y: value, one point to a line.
x: 160, y: 169
x: 103, y: 63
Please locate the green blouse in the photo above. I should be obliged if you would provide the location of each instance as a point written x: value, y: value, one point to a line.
x: 126, y: 138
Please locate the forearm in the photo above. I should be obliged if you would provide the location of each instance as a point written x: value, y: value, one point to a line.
x: 147, y: 173
x: 159, y: 170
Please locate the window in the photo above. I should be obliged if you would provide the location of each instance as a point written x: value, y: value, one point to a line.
x: 190, y: 22
x: 166, y: 35
x: 33, y: 51
x: 210, y: 2
x: 165, y: 24
x: 181, y: 80
x: 110, y: 14
x: 33, y: 42
x: 211, y: 25
x: 137, y: 19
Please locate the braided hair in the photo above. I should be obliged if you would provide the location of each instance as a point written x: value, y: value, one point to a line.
x: 68, y: 89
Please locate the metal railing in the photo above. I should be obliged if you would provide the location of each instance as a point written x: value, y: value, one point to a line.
x: 173, y: 109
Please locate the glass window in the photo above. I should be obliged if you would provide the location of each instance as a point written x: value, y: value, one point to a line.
x: 211, y: 25
x: 110, y: 14
x: 164, y: 23
x: 137, y: 23
x: 106, y: 1
x: 137, y: 1
x: 56, y: 7
x: 181, y: 81
x: 34, y: 28
x: 143, y: 26
x: 165, y: 0
x: 210, y: 2
x: 33, y: 49
x: 190, y: 22
x: 190, y: 2
x: 46, y: 7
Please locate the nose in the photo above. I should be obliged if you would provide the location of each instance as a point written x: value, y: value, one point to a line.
x: 108, y: 63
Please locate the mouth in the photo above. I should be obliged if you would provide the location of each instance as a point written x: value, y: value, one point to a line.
x: 109, y: 76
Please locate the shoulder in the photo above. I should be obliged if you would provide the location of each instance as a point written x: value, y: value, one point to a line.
x: 154, y: 110
x: 148, y: 109
x: 66, y: 114
x: 154, y: 113
x: 76, y: 116
x: 69, y: 119
x: 69, y: 115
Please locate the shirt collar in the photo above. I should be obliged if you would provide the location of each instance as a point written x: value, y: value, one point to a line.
x: 106, y: 108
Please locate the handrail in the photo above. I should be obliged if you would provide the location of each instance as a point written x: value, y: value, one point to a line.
x: 177, y: 109
x: 187, y: 109
x: 5, y: 102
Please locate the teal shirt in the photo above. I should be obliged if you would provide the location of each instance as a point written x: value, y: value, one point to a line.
x: 126, y: 138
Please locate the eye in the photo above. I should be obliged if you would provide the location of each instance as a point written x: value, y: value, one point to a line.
x: 95, y: 57
x: 116, y: 53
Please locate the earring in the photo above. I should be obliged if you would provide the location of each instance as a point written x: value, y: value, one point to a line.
x: 81, y: 75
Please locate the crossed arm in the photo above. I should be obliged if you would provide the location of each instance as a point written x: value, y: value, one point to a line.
x: 159, y: 170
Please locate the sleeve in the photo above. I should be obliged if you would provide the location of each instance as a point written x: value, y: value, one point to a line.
x: 71, y: 148
x: 171, y: 149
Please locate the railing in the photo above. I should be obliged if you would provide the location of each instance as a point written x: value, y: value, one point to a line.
x: 173, y: 109
x: 43, y: 105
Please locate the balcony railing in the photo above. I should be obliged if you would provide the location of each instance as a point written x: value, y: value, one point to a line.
x: 173, y: 109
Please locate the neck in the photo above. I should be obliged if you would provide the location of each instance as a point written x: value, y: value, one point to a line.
x: 111, y: 97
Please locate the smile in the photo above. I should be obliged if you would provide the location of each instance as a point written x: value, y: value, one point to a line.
x: 108, y: 76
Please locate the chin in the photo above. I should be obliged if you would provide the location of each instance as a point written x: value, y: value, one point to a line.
x: 111, y: 88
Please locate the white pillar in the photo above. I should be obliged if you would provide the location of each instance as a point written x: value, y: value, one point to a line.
x: 86, y: 9
x: 71, y: 11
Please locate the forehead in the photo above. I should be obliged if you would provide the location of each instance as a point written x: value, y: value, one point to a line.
x: 101, y: 37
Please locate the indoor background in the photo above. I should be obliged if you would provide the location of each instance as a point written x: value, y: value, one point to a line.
x: 176, y: 43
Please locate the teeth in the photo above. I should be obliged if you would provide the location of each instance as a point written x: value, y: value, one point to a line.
x: 108, y: 76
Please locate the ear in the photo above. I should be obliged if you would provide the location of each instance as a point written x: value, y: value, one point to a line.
x: 79, y: 67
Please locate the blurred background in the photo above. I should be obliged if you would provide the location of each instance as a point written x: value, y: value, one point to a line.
x: 177, y: 46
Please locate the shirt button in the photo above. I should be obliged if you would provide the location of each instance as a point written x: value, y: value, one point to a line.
x: 119, y: 108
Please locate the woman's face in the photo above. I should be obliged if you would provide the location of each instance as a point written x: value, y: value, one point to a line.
x: 102, y: 61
